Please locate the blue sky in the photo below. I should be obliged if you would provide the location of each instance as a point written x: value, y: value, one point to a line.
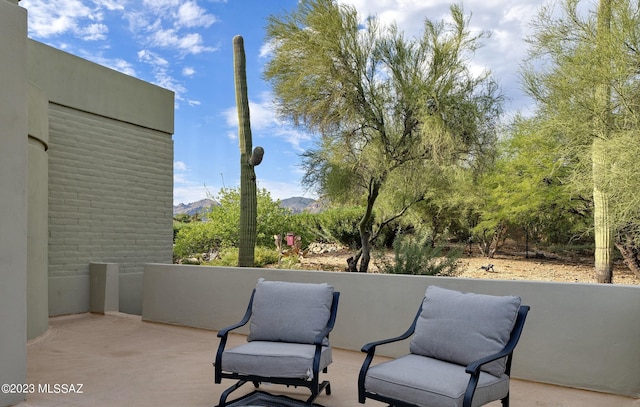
x: 186, y: 46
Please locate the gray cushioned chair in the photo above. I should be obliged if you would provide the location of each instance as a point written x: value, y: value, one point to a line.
x: 460, y: 353
x: 289, y: 326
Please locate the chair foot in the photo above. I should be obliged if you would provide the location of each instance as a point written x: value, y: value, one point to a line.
x: 225, y: 394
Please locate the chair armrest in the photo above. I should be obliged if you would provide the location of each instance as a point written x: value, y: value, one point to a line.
x: 319, y: 339
x: 370, y: 350
x: 371, y: 346
x: 223, y: 335
x: 225, y: 331
x: 473, y: 368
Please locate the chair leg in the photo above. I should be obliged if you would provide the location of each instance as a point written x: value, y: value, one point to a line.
x: 225, y: 394
x: 505, y: 401
x: 325, y: 385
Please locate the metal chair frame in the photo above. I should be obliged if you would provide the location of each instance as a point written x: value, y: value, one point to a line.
x: 314, y: 385
x: 473, y: 369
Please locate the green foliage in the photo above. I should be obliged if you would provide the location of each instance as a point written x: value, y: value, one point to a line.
x: 583, y: 75
x: 289, y: 262
x: 528, y: 188
x: 176, y: 228
x: 181, y: 219
x: 338, y: 225
x: 419, y: 257
x: 228, y: 257
x: 386, y: 107
x: 221, y: 228
x: 195, y: 238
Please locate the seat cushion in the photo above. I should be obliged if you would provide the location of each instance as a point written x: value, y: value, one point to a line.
x: 431, y: 382
x: 289, y: 312
x: 274, y: 359
x: 464, y: 327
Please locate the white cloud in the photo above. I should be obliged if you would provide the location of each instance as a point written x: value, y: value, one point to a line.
x: 47, y: 18
x: 93, y: 32
x: 284, y: 190
x: 266, y: 49
x: 506, y: 21
x: 161, y: 5
x: 188, y: 71
x: 184, y: 189
x: 264, y: 120
x: 111, y: 5
x: 151, y: 58
x: 188, y: 194
x: 116, y: 64
x: 190, y: 14
x: 164, y: 79
x: 179, y: 166
x: 191, y: 43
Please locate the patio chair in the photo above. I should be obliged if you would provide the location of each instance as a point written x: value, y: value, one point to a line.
x: 288, y: 341
x: 460, y: 353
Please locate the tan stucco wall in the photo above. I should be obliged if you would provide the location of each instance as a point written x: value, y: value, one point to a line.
x: 74, y: 82
x: 117, y: 160
x: 576, y: 335
x: 38, y: 231
x: 110, y: 176
x: 13, y: 198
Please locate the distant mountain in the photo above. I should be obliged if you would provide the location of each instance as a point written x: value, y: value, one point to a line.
x: 298, y: 204
x: 192, y: 208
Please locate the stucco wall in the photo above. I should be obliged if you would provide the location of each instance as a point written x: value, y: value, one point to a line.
x: 13, y: 198
x: 38, y: 215
x: 110, y: 176
x: 576, y: 335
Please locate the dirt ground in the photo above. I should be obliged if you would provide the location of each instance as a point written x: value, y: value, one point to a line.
x: 505, y: 267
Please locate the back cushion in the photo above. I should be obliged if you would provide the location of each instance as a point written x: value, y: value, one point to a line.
x: 464, y: 327
x: 289, y: 312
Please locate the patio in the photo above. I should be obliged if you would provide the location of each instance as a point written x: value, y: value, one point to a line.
x: 121, y: 360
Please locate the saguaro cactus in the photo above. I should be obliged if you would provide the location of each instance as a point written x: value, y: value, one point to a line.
x: 248, y: 160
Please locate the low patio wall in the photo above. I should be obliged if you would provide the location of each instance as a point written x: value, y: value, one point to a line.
x: 577, y: 335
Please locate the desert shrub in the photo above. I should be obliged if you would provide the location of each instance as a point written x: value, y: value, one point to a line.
x: 220, y: 230
x: 228, y: 257
x: 194, y: 238
x: 336, y: 225
x: 419, y: 257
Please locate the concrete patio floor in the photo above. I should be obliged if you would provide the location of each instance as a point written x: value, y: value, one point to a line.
x: 122, y: 361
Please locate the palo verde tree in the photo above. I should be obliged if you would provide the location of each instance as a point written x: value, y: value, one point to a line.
x: 388, y: 110
x: 248, y: 160
x: 528, y: 189
x: 587, y: 89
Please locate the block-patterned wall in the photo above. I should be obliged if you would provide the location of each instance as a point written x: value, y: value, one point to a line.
x: 110, y: 200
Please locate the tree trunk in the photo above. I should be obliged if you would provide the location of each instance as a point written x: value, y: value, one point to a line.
x: 366, y: 252
x: 631, y: 256
x: 352, y: 262
x: 498, y: 236
x: 365, y: 225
